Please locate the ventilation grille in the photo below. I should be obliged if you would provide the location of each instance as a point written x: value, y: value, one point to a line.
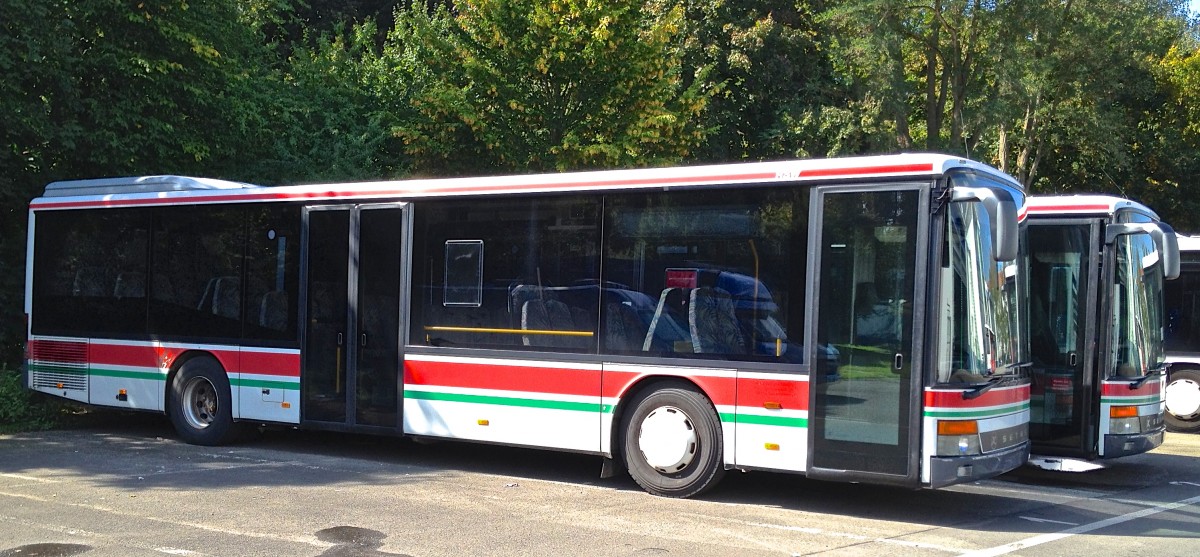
x: 56, y: 364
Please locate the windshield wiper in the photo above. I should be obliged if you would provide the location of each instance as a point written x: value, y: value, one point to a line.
x: 1142, y: 381
x: 978, y: 391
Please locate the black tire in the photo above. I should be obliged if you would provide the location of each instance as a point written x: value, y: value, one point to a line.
x: 201, y: 404
x: 672, y: 443
x: 1183, y: 401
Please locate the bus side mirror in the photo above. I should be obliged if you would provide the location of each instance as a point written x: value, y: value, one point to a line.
x: 1002, y: 214
x: 1164, y: 239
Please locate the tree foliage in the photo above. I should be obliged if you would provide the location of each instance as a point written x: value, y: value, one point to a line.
x: 533, y: 85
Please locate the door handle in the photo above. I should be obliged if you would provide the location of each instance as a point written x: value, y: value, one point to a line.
x: 898, y: 362
x: 363, y: 340
x: 341, y: 339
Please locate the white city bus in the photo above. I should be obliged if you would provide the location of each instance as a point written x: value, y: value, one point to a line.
x: 1182, y: 393
x: 849, y: 319
x: 1096, y: 266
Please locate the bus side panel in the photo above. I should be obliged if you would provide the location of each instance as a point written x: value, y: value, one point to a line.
x: 127, y: 375
x: 719, y: 385
x: 266, y: 385
x: 772, y: 421
x: 1143, y: 432
x: 1002, y: 415
x: 518, y: 402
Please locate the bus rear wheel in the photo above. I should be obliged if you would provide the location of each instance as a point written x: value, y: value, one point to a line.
x: 201, y: 403
x: 1182, y: 398
x: 672, y: 442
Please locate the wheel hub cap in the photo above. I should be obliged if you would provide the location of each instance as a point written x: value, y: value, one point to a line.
x: 668, y: 439
x: 1183, y: 398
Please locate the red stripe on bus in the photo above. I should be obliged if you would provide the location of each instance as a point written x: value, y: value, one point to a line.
x: 271, y: 363
x: 428, y: 188
x: 1121, y: 388
x: 479, y: 375
x: 994, y: 397
x: 155, y: 356
x: 857, y: 170
x: 721, y: 390
x: 790, y: 395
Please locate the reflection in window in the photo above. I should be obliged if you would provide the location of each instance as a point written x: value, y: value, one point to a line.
x: 464, y: 273
x: 1136, y: 342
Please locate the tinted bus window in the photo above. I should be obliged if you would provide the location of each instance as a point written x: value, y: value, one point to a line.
x: 539, y: 288
x: 196, y: 272
x: 706, y: 274
x: 272, y: 272
x: 90, y: 272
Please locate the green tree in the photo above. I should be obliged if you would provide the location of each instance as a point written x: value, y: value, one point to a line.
x: 96, y: 88
x: 767, y: 70
x: 534, y: 85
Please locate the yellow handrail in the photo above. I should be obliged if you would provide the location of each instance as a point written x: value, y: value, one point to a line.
x: 510, y: 331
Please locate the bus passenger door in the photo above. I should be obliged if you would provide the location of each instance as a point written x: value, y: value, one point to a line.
x: 869, y: 246
x: 352, y: 262
x: 1063, y: 317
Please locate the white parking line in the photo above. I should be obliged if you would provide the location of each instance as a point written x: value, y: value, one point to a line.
x: 1083, y: 529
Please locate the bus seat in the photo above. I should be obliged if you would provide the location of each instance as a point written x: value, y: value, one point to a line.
x: 227, y: 297
x: 546, y: 315
x: 713, y: 323
x: 130, y: 285
x: 90, y: 282
x: 273, y: 310
x: 623, y: 328
x: 670, y: 300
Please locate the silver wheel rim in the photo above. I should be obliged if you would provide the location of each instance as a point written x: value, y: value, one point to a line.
x: 199, y: 403
x: 667, y: 439
x: 1182, y: 398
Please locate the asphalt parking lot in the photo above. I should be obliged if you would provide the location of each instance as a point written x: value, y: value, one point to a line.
x: 127, y: 487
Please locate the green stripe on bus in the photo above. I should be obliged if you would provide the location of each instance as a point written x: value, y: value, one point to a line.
x: 1125, y: 401
x: 264, y: 384
x: 52, y: 368
x: 147, y: 375
x: 781, y: 421
x: 977, y: 413
x: 508, y: 401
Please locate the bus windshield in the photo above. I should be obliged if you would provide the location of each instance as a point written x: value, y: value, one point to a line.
x: 1137, y: 333
x: 980, y: 330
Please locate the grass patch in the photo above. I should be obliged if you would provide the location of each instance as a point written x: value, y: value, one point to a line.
x: 24, y: 410
x: 865, y: 362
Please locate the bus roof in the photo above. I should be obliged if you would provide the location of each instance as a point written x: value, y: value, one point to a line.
x: 1188, y: 243
x: 140, y: 191
x: 1051, y: 205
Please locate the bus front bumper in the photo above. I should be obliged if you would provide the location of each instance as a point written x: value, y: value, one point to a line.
x: 950, y: 470
x: 1131, y: 444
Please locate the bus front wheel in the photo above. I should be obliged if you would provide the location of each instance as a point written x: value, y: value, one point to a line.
x: 672, y: 442
x: 1182, y: 398
x: 201, y: 405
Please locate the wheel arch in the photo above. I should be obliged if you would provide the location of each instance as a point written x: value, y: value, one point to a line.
x: 645, y: 384
x: 178, y: 363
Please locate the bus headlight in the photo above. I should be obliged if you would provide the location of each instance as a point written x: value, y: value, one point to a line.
x: 958, y: 438
x: 1124, y: 420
